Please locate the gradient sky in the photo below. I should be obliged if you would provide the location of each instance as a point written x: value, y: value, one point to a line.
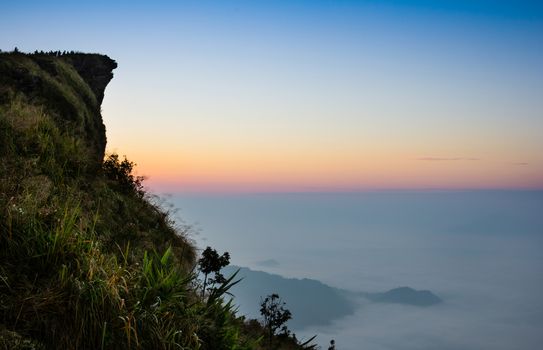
x: 311, y: 95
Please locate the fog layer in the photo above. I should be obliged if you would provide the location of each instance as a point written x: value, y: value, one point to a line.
x: 482, y: 252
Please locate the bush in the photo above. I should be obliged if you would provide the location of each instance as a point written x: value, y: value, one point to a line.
x: 121, y: 173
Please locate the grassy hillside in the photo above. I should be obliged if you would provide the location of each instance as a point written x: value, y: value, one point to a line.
x: 87, y: 259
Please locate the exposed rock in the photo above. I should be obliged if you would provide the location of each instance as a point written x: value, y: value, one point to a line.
x: 97, y: 70
x: 70, y: 88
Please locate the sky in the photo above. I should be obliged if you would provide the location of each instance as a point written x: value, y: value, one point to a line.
x: 271, y: 96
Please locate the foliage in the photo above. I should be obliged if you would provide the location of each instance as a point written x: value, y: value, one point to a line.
x: 212, y: 262
x: 275, y: 315
x: 120, y: 171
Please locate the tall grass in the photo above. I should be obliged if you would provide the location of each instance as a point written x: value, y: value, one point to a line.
x: 69, y: 294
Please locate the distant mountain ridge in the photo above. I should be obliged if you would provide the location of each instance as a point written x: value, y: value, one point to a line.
x: 405, y: 295
x: 312, y: 302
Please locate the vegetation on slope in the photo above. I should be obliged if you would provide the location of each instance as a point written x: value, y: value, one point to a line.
x: 87, y: 259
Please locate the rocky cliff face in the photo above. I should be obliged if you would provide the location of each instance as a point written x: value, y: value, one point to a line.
x: 96, y: 70
x: 76, y: 231
x: 70, y: 88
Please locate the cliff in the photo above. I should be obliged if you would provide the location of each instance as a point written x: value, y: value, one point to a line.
x: 88, y: 259
x: 71, y: 228
x: 69, y: 89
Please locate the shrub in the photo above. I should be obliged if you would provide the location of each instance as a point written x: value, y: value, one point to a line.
x: 121, y: 173
x: 275, y: 315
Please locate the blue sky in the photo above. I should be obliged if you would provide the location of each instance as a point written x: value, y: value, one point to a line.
x: 319, y: 94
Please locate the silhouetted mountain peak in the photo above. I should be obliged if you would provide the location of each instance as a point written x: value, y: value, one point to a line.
x: 406, y: 295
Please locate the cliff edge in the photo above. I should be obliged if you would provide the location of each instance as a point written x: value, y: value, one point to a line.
x: 88, y: 258
x: 69, y: 88
x: 77, y: 228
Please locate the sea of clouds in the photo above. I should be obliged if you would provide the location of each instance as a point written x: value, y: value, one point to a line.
x: 480, y: 251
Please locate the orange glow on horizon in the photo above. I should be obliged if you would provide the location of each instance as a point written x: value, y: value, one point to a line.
x: 269, y: 171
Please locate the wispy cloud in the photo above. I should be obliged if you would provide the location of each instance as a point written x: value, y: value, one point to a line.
x: 520, y: 163
x: 440, y: 159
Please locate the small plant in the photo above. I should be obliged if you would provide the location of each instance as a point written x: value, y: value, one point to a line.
x: 121, y: 172
x: 272, y: 308
x: 212, y: 262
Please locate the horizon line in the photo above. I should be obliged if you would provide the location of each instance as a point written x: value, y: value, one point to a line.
x: 238, y: 191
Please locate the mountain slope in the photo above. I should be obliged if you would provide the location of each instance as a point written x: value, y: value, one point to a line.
x: 311, y: 302
x: 87, y: 259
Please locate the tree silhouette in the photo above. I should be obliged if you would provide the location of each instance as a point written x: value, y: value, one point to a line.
x: 211, y: 262
x: 272, y: 308
x: 121, y: 172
